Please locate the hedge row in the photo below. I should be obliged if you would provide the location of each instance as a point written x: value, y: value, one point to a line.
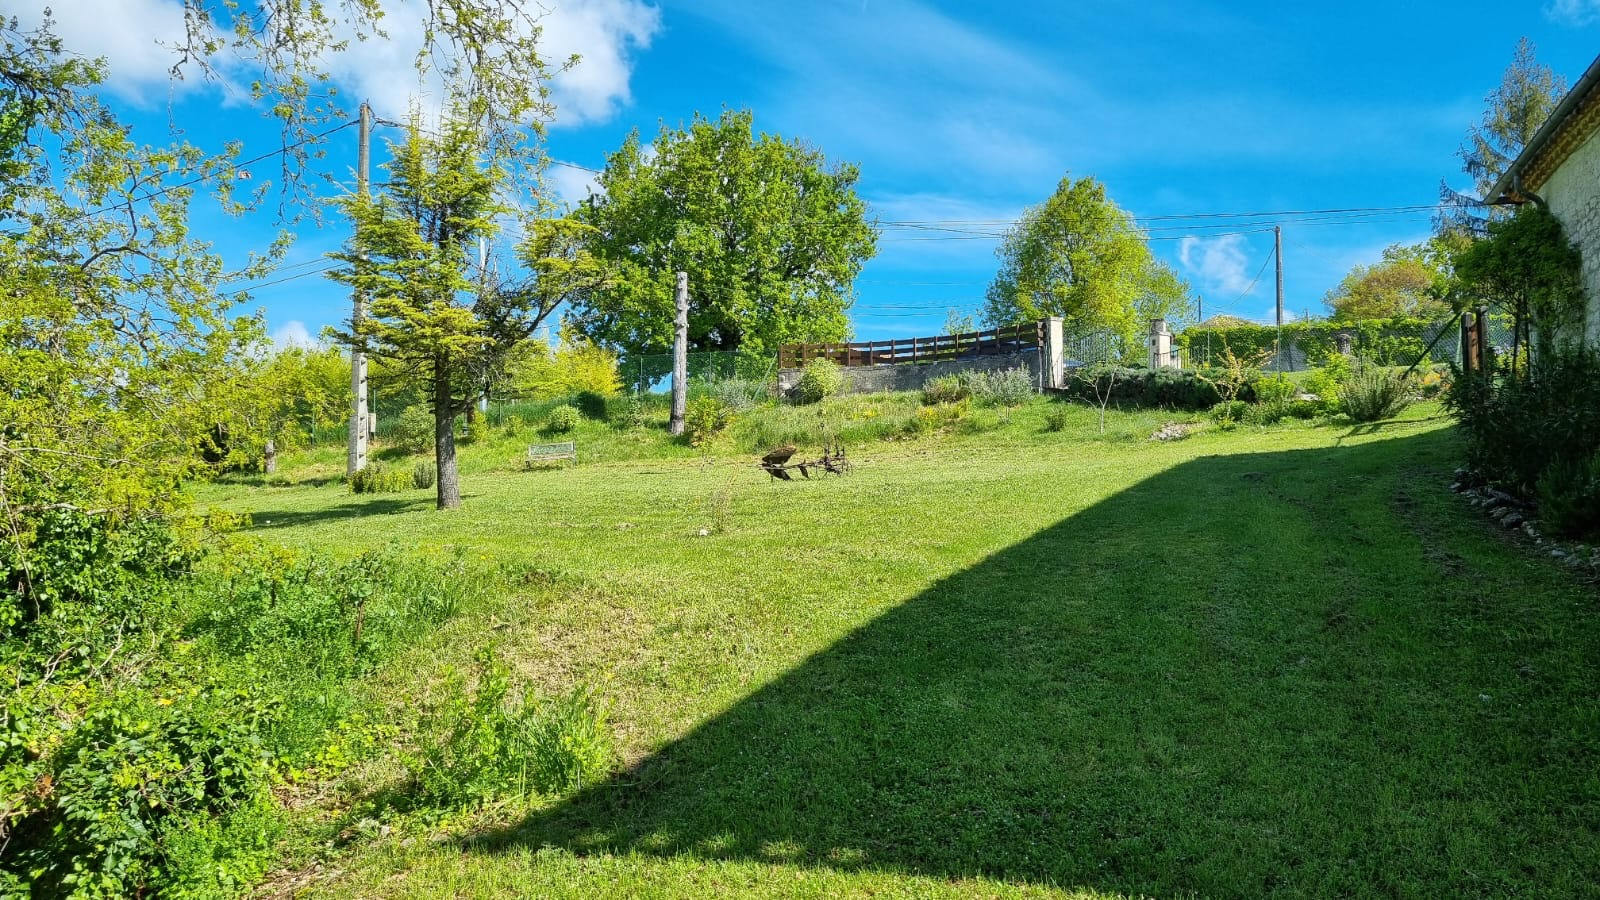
x: 1387, y: 342
x: 1165, y: 388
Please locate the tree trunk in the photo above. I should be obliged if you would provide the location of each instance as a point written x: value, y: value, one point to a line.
x: 444, y: 439
x: 269, y: 457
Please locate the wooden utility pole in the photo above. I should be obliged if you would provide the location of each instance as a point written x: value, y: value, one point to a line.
x: 357, y: 457
x: 680, y: 357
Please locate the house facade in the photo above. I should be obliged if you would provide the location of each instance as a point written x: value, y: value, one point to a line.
x: 1560, y: 167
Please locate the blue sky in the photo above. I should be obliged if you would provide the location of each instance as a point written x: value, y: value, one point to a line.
x: 965, y: 113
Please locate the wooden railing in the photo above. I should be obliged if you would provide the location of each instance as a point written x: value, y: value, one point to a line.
x: 995, y: 341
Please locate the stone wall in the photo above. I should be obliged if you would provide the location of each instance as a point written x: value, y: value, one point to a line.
x: 1573, y: 192
x: 911, y: 376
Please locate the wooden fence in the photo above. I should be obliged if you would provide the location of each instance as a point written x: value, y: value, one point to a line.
x: 995, y: 341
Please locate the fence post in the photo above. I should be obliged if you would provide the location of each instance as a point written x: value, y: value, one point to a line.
x: 1485, y: 349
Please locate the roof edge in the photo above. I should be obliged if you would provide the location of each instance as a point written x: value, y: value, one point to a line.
x: 1505, y: 188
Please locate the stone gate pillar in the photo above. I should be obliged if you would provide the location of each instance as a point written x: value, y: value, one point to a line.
x: 1160, y: 345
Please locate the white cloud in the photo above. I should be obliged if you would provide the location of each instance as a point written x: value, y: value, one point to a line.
x: 1219, y: 264
x: 292, y: 334
x: 603, y: 33
x: 129, y: 34
x: 572, y: 185
x: 1575, y: 13
x: 137, y: 36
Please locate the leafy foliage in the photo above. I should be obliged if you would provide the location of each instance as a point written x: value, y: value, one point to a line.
x: 1516, y: 430
x: 945, y: 389
x: 563, y: 419
x: 1414, y: 281
x: 1530, y: 270
x: 414, y: 432
x: 1569, y: 496
x: 1079, y: 256
x: 1388, y: 342
x: 1007, y: 387
x: 376, y: 478
x: 499, y: 741
x: 1157, y: 388
x: 575, y: 366
x: 705, y: 418
x: 772, y: 237
x: 820, y: 379
x: 740, y: 394
x: 429, y: 317
x: 1527, y: 94
x: 423, y: 475
x: 1373, y: 393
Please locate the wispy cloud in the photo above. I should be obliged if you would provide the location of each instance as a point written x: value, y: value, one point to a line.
x: 292, y: 334
x: 1573, y: 13
x: 1218, y: 265
x: 136, y: 38
x: 133, y: 36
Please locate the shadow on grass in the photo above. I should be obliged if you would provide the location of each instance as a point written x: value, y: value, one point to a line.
x: 1245, y: 675
x: 416, y: 501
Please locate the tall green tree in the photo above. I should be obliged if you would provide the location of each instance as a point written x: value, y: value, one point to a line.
x: 432, y: 315
x: 116, y: 324
x: 1416, y: 280
x: 1528, y: 92
x: 1079, y: 256
x: 771, y: 234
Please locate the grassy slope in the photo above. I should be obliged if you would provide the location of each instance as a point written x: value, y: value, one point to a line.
x: 1016, y: 663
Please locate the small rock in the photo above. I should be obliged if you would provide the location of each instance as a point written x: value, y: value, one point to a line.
x: 705, y: 532
x: 1512, y: 520
x: 1558, y: 553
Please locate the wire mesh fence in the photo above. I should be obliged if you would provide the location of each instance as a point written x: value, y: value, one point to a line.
x: 652, y: 373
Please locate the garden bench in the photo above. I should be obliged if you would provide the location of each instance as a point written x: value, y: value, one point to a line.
x: 540, y: 453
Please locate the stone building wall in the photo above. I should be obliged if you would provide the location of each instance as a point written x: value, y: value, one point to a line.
x: 1573, y: 192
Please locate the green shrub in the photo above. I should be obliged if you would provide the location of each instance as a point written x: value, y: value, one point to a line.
x: 1262, y: 414
x: 513, y: 425
x: 476, y: 431
x: 1181, y: 389
x: 1324, y: 383
x: 375, y: 478
x: 562, y: 419
x: 1374, y: 393
x: 1007, y: 387
x: 945, y: 389
x: 1228, y: 412
x: 423, y: 475
x: 821, y: 378
x: 591, y: 404
x: 929, y: 419
x: 704, y: 418
x: 129, y: 767
x: 1274, y: 390
x: 1057, y: 417
x: 414, y: 432
x: 1516, y: 428
x: 1569, y: 496
x: 628, y: 412
x: 740, y: 394
x: 499, y: 743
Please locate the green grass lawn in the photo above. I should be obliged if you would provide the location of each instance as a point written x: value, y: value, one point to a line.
x: 1004, y: 664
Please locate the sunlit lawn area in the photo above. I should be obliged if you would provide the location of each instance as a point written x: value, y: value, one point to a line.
x: 1013, y: 663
